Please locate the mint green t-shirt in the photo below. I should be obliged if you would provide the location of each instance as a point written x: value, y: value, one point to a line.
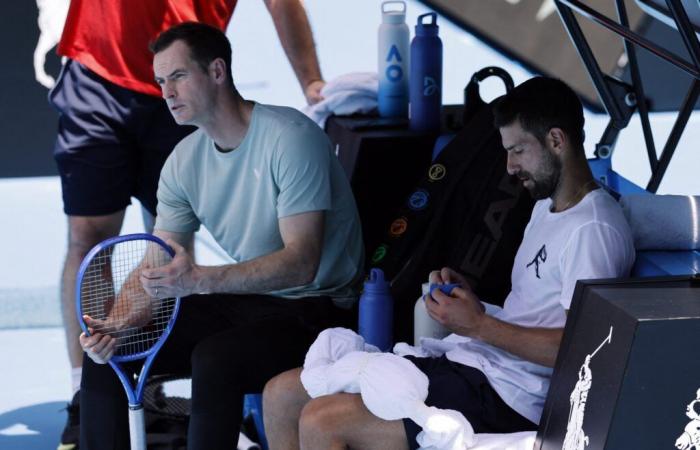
x: 284, y: 166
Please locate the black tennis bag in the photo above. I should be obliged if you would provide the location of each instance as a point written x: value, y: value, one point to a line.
x: 166, y: 417
x: 466, y: 213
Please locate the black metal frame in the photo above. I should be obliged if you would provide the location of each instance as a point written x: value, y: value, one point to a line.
x: 620, y: 100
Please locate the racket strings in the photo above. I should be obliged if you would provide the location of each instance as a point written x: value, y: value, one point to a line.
x: 111, y: 292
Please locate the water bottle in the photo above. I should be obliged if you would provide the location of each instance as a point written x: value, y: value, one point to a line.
x: 376, y: 318
x: 393, y: 64
x: 426, y: 76
x: 423, y: 324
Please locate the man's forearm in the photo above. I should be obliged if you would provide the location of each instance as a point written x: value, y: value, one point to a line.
x: 279, y: 270
x: 538, y: 345
x: 294, y: 31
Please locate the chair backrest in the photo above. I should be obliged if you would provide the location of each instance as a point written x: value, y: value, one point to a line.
x: 674, y: 255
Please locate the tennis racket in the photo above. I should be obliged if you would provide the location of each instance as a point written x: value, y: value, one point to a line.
x: 108, y: 289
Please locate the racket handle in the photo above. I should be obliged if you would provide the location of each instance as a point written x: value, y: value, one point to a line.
x: 137, y: 427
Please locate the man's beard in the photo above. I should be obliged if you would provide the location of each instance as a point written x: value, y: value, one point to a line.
x: 546, y: 180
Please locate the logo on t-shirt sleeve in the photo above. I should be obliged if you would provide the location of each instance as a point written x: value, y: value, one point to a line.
x: 540, y: 257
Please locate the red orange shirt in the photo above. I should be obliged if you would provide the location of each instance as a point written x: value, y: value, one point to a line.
x: 111, y: 37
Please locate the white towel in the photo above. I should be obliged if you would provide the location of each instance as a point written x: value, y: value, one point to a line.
x: 348, y: 94
x: 391, y: 387
x: 663, y: 222
x: 330, y: 346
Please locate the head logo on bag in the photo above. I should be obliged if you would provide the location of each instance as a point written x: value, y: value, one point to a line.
x: 379, y: 254
x: 436, y: 172
x: 418, y: 200
x: 398, y: 227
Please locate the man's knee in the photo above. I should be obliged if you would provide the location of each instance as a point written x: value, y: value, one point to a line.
x: 84, y: 232
x: 328, y: 416
x: 284, y: 391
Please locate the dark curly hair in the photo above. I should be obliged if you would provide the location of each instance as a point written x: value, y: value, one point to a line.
x: 541, y: 104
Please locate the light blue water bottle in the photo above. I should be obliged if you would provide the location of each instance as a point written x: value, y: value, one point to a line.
x: 426, y: 76
x: 376, y: 316
x: 393, y: 61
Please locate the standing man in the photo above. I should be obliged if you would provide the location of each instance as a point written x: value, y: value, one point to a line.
x: 114, y: 131
x: 264, y: 180
x: 498, y: 362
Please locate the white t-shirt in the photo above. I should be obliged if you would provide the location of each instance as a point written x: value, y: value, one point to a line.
x: 590, y: 240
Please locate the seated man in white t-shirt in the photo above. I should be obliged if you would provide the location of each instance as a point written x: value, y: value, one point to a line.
x: 499, y: 363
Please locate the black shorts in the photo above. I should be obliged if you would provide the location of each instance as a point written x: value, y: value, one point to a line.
x: 111, y: 144
x: 465, y: 389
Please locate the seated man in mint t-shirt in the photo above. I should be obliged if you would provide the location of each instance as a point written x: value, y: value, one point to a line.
x: 265, y: 183
x: 496, y: 366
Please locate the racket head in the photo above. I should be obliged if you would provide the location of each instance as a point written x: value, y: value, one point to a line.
x: 104, y: 287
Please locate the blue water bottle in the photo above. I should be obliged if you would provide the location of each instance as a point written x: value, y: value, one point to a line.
x: 376, y: 317
x: 393, y: 56
x: 426, y: 76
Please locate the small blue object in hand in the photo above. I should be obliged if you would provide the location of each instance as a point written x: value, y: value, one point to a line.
x: 445, y: 288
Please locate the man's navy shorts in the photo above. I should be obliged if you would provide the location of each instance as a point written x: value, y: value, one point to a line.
x: 465, y: 389
x: 112, y: 143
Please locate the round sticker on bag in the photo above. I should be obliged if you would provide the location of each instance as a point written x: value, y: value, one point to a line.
x: 437, y: 172
x: 398, y: 227
x: 379, y: 254
x: 418, y: 200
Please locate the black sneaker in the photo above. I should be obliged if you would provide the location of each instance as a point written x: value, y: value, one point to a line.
x: 71, y: 433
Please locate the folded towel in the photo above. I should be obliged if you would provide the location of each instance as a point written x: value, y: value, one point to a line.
x: 348, y: 94
x: 663, y: 222
x: 391, y: 388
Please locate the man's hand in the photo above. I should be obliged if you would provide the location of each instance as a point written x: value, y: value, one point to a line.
x: 177, y: 279
x: 461, y: 312
x: 447, y: 275
x: 98, y: 346
x: 312, y: 92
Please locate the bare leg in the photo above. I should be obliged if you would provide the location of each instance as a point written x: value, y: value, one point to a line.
x: 83, y: 234
x: 283, y: 399
x: 342, y: 421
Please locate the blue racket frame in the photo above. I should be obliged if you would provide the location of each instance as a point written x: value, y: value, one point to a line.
x: 134, y: 393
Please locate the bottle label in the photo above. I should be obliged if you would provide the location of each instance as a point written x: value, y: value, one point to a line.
x: 394, y: 72
x: 430, y: 86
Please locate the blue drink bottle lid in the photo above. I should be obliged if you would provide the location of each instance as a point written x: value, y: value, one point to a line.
x: 427, y: 29
x: 376, y: 284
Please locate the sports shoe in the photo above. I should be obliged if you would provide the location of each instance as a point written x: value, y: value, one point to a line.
x: 71, y: 432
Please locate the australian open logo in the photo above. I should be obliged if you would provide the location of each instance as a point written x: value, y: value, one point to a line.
x: 393, y: 71
x: 430, y: 86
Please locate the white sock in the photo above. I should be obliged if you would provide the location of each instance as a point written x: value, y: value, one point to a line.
x: 75, y: 374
